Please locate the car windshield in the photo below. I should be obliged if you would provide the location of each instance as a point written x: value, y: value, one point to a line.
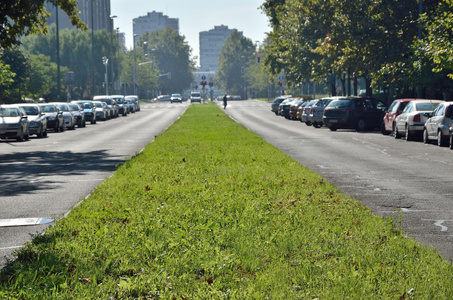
x: 176, y: 95
x: 74, y: 107
x: 31, y: 110
x: 340, y: 103
x: 62, y: 107
x: 86, y: 105
x: 48, y: 108
x: 429, y: 106
x: 195, y: 95
x: 108, y: 101
x: 9, y: 112
x: 98, y: 104
x: 119, y: 100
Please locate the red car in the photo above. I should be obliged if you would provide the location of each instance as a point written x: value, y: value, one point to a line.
x: 394, y: 111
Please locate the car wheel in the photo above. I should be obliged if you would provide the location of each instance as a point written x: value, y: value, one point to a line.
x: 333, y: 129
x: 308, y: 123
x: 425, y: 136
x: 396, y: 132
x: 440, y: 139
x: 317, y: 125
x: 20, y: 136
x: 383, y: 130
x: 361, y: 125
x: 408, y: 134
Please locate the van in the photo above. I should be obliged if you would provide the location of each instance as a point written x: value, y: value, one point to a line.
x: 195, y: 97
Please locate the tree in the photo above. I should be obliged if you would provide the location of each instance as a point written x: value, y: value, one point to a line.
x: 171, y: 54
x: 19, y: 65
x: 6, y: 80
x: 235, y: 55
x: 19, y: 18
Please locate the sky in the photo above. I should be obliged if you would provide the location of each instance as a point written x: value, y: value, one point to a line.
x: 195, y: 16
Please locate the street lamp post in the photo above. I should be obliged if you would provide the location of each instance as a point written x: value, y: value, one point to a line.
x: 118, y: 57
x: 112, y: 17
x: 135, y: 67
x: 105, y: 61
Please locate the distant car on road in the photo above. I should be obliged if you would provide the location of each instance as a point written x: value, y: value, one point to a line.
x: 78, y: 113
x: 36, y: 118
x: 68, y: 117
x: 102, y: 112
x: 88, y: 109
x: 163, y: 98
x: 195, y: 97
x: 176, y: 98
x: 14, y: 123
x: 276, y: 103
x: 135, y: 100
x: 122, y: 104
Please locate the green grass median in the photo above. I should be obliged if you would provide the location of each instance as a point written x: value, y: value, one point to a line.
x: 211, y: 211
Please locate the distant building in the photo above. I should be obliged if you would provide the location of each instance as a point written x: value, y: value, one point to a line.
x: 151, y: 22
x: 211, y: 42
x: 101, y: 15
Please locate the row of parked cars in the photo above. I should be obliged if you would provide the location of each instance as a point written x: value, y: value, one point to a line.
x: 19, y: 121
x: 430, y: 119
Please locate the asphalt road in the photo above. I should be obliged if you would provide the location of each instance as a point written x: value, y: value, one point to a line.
x: 392, y: 177
x: 46, y: 178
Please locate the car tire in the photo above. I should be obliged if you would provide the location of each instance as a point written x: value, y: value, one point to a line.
x: 317, y: 125
x: 333, y: 129
x: 383, y: 130
x: 408, y: 134
x: 396, y: 132
x: 440, y: 139
x: 361, y: 125
x: 425, y: 136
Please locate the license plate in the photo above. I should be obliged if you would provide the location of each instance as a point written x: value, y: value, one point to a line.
x: 333, y: 121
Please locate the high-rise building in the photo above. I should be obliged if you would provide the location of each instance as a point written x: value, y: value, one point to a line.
x: 151, y: 22
x: 95, y: 14
x: 211, y: 43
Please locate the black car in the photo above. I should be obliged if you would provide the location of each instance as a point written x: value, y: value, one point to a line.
x: 283, y: 108
x: 354, y: 113
x: 54, y: 116
x: 276, y: 103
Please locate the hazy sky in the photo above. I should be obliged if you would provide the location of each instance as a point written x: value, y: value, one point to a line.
x: 195, y: 16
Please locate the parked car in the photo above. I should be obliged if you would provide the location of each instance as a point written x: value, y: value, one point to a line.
x: 101, y: 110
x: 306, y: 112
x: 195, y: 97
x: 354, y: 113
x: 78, y: 113
x: 122, y: 104
x: 395, y: 109
x: 54, y: 116
x: 301, y: 109
x: 438, y: 125
x: 89, y: 110
x: 411, y: 121
x: 176, y: 98
x: 130, y: 105
x: 276, y: 103
x: 317, y: 111
x: 68, y: 117
x: 284, y: 108
x: 111, y: 103
x: 135, y: 100
x: 14, y: 123
x: 293, y: 108
x: 36, y: 118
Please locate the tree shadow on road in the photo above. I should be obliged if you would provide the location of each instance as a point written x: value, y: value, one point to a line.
x: 26, y: 173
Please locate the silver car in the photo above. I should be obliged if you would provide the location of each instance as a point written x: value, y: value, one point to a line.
x: 102, y: 110
x: 412, y: 120
x: 437, y: 127
x: 306, y: 112
x: 14, y: 123
x: 68, y: 118
x: 36, y: 118
x: 317, y: 111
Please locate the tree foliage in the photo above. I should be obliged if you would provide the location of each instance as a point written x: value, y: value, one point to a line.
x: 235, y: 55
x: 23, y: 17
x: 171, y: 54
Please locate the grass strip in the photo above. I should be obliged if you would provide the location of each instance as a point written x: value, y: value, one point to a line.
x: 209, y: 211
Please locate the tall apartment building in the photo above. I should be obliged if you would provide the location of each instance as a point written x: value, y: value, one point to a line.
x: 151, y: 22
x: 98, y: 20
x: 211, y: 42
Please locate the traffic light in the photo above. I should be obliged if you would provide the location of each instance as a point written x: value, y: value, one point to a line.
x: 280, y: 83
x: 203, y: 83
x: 259, y: 58
x: 211, y: 84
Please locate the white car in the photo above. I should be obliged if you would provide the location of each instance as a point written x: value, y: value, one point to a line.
x: 176, y: 98
x: 69, y: 120
x: 437, y: 127
x: 411, y: 121
x: 195, y: 97
x: 14, y: 123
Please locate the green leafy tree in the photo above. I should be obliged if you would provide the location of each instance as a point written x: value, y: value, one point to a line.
x: 171, y: 54
x: 19, y: 65
x: 6, y: 80
x: 19, y: 18
x: 235, y: 55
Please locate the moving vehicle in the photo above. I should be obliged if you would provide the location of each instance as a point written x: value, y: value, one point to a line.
x: 176, y: 98
x: 14, y: 123
x: 36, y: 118
x: 195, y: 97
x: 411, y: 122
x: 357, y: 113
